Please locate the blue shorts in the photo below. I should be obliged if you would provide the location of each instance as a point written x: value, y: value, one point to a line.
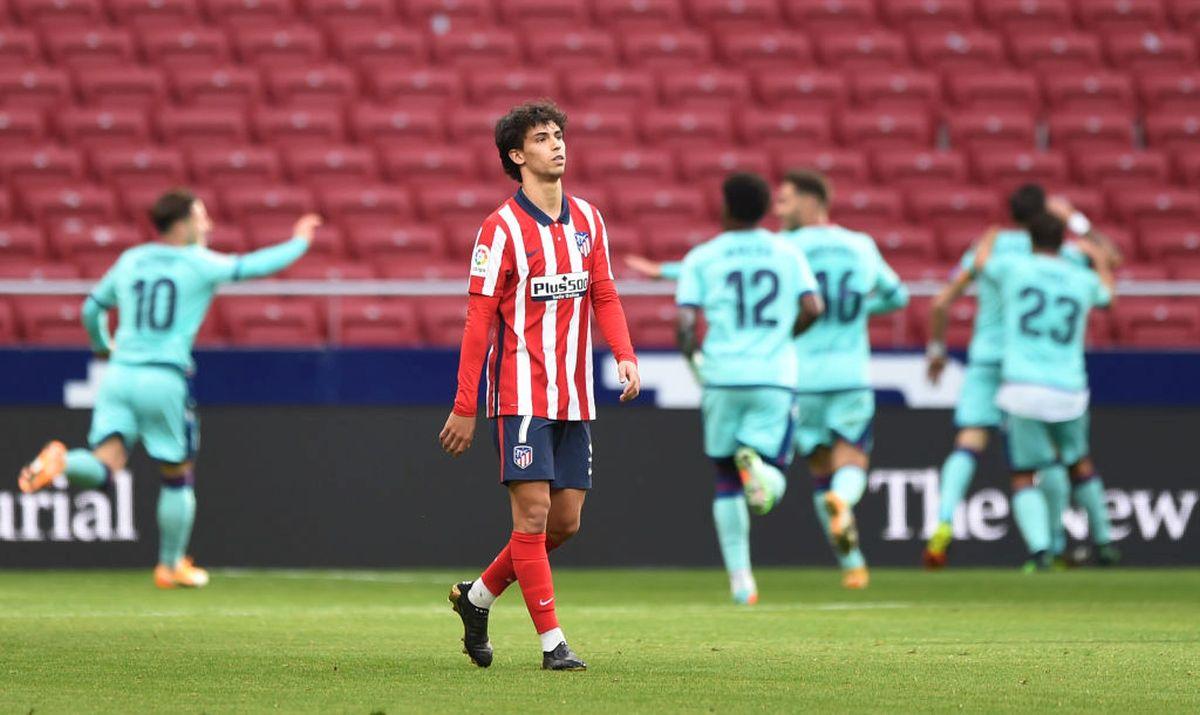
x: 977, y: 401
x: 1033, y: 444
x: 150, y: 404
x: 534, y: 449
x: 756, y: 417
x: 825, y: 417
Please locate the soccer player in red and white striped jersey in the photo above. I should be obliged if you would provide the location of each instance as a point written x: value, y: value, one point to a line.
x: 539, y: 270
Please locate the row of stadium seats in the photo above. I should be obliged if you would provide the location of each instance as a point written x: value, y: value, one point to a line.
x: 439, y: 322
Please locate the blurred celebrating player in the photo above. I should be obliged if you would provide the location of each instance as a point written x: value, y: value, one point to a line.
x: 977, y: 412
x: 757, y: 293
x: 539, y: 268
x: 161, y: 291
x: 835, y: 401
x: 1044, y: 392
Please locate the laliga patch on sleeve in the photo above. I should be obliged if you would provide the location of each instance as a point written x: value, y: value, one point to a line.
x: 480, y: 260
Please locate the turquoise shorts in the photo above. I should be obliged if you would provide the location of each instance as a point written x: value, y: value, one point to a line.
x: 825, y: 417
x: 977, y: 402
x: 1034, y: 445
x: 755, y: 417
x: 148, y: 404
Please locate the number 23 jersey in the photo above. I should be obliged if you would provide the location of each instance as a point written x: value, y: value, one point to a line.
x: 835, y: 353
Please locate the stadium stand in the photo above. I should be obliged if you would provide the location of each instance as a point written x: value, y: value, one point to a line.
x: 379, y: 112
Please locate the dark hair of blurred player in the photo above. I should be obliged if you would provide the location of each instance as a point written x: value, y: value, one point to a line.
x: 747, y: 198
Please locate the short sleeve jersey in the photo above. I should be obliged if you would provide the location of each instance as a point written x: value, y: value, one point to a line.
x: 987, y: 336
x: 835, y: 353
x: 1046, y: 301
x: 749, y: 285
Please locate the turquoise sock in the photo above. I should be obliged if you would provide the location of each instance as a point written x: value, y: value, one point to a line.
x: 176, y: 513
x: 84, y: 470
x: 733, y: 531
x: 852, y: 560
x: 1056, y: 488
x: 957, y: 472
x: 849, y: 483
x: 1089, y: 494
x: 1029, y: 510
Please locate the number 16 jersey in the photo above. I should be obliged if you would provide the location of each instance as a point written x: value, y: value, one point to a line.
x: 835, y: 353
x: 749, y: 284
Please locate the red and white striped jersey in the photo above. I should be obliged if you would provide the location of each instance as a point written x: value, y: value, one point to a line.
x: 543, y: 270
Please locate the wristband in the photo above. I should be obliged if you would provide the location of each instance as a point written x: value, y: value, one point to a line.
x: 1079, y: 224
x: 935, y: 350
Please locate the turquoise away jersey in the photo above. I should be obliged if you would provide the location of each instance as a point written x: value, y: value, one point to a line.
x: 1046, y: 300
x: 835, y: 353
x: 749, y: 284
x: 162, y: 292
x: 987, y: 335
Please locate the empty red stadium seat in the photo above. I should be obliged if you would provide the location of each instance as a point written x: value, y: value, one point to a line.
x: 1155, y: 322
x: 482, y: 48
x: 228, y: 238
x: 34, y: 88
x: 83, y: 242
x: 1092, y: 130
x: 44, y: 165
x: 903, y: 242
x: 709, y: 168
x: 1050, y: 51
x: 140, y: 87
x: 267, y: 203
x: 1120, y: 14
x: 886, y: 129
x: 442, y: 15
x: 434, y: 163
x: 764, y: 49
x: 197, y: 48
x: 249, y: 13
x: 651, y: 321
x: 1141, y: 272
x: 222, y: 86
x: 50, y: 320
x: 19, y: 47
x: 23, y: 269
x: 389, y: 241
x: 272, y: 322
x: 279, y: 46
x: 1184, y: 14
x: 373, y: 47
x: 233, y: 166
x: 1187, y: 164
x: 714, y: 88
x: 299, y: 127
x: 1171, y: 243
x: 943, y: 207
x: 152, y: 166
x: 723, y: 14
x: 58, y: 14
x: 923, y: 16
x: 374, y: 322
x: 19, y: 241
x: 840, y: 166
x: 324, y: 86
x: 959, y: 50
x: 992, y: 129
x: 443, y: 320
x: 1104, y: 168
x: 89, y: 46
x: 681, y: 129
x: 366, y: 204
x: 52, y: 205
x: 1099, y: 330
x: 1151, y: 50
x: 154, y: 13
x: 104, y: 127
x: 577, y: 48
x: 783, y: 128
x: 469, y: 201
x: 1155, y: 205
x: 388, y: 127
x: 1122, y: 238
x: 960, y: 322
x: 598, y: 129
x: 631, y: 164
x: 557, y: 13
x: 8, y: 323
x: 1089, y: 200
x: 867, y: 206
x: 314, y: 267
x: 907, y: 168
x: 327, y: 250
x: 1173, y: 130
x: 509, y: 86
x: 659, y: 49
x: 415, y: 89
x: 337, y: 14
x: 610, y: 89
x: 994, y: 89
x: 1170, y: 90
x: 1089, y: 91
x: 811, y: 90
x: 862, y: 49
x: 822, y: 15
x: 1007, y: 169
x: 897, y: 88
x: 661, y: 204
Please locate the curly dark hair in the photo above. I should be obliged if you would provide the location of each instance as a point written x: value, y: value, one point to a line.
x: 747, y: 197
x: 512, y: 128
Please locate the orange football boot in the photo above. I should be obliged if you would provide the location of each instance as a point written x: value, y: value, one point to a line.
x: 45, y: 468
x: 842, y: 526
x: 185, y: 575
x: 856, y: 579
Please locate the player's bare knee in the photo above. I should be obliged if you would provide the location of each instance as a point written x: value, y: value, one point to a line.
x: 972, y: 438
x: 1022, y: 480
x: 562, y: 529
x: 846, y: 454
x: 1083, y: 469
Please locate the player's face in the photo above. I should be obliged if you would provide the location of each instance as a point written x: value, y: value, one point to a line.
x: 199, y: 225
x: 788, y: 206
x: 544, y: 153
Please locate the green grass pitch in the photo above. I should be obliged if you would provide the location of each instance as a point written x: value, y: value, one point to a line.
x: 656, y: 640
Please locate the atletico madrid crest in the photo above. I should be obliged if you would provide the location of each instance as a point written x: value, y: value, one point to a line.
x: 583, y: 240
x: 522, y: 456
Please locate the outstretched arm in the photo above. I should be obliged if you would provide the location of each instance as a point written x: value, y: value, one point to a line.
x: 1082, y: 226
x: 272, y: 259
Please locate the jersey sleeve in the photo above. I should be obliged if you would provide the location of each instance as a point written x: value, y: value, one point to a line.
x: 996, y: 268
x: 690, y: 289
x: 602, y: 258
x: 492, y: 260
x: 94, y: 314
x: 670, y: 270
x: 1071, y: 252
x: 889, y: 292
x: 967, y: 263
x: 1101, y: 295
x: 104, y: 294
x: 806, y: 282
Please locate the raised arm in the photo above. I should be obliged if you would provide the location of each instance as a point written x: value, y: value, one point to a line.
x: 1080, y: 225
x: 272, y: 259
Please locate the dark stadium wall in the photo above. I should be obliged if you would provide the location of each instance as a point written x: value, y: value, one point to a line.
x: 368, y: 487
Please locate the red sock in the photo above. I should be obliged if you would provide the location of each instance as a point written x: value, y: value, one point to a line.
x: 500, y: 574
x: 532, y: 567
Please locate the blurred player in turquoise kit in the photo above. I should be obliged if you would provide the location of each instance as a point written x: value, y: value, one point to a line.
x: 1046, y: 299
x: 756, y: 293
x: 161, y: 292
x: 976, y: 413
